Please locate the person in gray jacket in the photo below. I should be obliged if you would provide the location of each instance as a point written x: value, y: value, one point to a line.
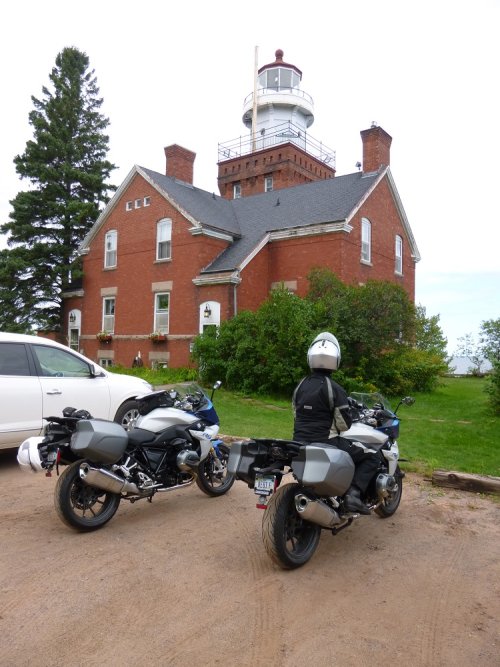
x: 321, y: 413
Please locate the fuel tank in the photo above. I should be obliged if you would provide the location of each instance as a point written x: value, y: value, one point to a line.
x: 365, y: 434
x: 161, y: 418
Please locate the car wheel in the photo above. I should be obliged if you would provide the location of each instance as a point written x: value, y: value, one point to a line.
x: 127, y: 414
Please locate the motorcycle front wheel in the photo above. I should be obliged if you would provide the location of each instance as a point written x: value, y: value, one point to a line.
x: 213, y: 478
x: 289, y: 540
x: 390, y: 504
x: 81, y: 506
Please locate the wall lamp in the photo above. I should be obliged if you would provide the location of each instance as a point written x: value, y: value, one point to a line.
x: 207, y: 312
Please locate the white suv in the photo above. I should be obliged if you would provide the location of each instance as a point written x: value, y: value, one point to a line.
x: 39, y: 378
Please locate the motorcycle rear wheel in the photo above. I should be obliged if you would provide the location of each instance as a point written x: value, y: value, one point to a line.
x: 81, y: 506
x: 391, y: 504
x: 288, y: 539
x: 211, y: 481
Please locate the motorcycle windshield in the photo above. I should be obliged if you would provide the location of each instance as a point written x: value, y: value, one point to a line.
x: 370, y: 400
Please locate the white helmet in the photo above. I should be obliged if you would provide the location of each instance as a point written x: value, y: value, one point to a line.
x: 28, y: 455
x: 324, y: 352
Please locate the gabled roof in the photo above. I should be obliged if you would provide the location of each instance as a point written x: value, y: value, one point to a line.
x: 250, y: 221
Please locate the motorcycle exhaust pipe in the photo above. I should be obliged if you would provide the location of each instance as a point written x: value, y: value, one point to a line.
x: 316, y: 511
x: 105, y: 480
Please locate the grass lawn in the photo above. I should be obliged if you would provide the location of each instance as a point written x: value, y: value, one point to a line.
x: 450, y: 428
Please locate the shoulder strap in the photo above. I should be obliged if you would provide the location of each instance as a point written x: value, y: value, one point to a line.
x: 295, y: 391
x: 329, y: 386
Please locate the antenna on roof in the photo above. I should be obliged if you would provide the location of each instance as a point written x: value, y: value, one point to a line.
x: 278, y: 202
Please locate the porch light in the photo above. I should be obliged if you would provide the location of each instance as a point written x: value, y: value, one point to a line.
x: 207, y: 312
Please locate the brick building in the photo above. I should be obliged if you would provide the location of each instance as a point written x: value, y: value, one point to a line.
x: 168, y: 257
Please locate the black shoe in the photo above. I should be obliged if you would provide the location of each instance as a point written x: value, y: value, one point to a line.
x: 353, y: 502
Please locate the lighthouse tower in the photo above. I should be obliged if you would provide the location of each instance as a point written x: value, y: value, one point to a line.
x: 277, y: 152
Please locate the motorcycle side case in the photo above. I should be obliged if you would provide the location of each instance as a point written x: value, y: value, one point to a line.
x: 99, y: 440
x: 325, y: 469
x: 244, y: 457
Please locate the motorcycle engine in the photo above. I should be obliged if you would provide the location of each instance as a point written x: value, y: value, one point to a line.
x: 385, y: 485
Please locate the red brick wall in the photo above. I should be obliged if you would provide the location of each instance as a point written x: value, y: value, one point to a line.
x: 137, y: 270
x: 286, y: 163
x: 287, y: 260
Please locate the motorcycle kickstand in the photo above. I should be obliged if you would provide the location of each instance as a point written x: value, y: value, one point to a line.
x: 336, y: 530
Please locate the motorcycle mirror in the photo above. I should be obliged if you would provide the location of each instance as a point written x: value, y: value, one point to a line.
x: 216, y: 386
x: 408, y: 400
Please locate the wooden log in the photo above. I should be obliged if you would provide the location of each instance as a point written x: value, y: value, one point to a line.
x: 466, y: 481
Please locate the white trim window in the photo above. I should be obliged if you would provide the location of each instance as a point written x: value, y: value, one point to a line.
x: 129, y: 206
x: 268, y: 184
x: 162, y: 309
x: 164, y: 239
x: 110, y: 247
x: 108, y: 314
x: 138, y: 203
x: 398, y: 255
x: 366, y: 241
x: 147, y: 201
x: 237, y: 191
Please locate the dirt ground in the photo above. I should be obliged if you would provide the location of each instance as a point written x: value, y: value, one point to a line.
x: 185, y: 580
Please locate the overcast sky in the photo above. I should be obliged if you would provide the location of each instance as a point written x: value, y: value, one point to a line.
x: 427, y: 72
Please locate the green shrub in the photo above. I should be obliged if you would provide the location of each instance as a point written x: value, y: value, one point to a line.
x: 492, y: 388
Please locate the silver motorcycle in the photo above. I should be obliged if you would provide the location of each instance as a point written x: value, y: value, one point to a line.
x: 297, y: 512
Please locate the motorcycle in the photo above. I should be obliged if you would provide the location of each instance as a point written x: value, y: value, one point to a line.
x: 172, y: 444
x: 296, y: 513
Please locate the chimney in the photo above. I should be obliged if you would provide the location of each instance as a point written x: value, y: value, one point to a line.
x: 180, y: 163
x: 376, y: 148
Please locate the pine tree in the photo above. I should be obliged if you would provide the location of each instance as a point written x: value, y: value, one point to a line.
x: 66, y: 166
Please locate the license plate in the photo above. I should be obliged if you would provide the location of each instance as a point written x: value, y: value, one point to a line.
x: 264, y: 484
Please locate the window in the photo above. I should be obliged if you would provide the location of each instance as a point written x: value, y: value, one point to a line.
x: 13, y: 359
x: 164, y: 239
x: 162, y: 301
x: 110, y: 245
x: 398, y: 254
x: 268, y: 184
x: 59, y: 363
x: 106, y: 363
x: 138, y: 203
x: 147, y: 201
x: 128, y: 206
x: 74, y: 339
x: 108, y: 314
x: 237, y: 191
x: 366, y: 240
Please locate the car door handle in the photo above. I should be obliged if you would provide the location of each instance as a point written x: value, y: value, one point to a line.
x: 54, y: 391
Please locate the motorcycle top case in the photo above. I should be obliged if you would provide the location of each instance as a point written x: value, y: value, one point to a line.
x: 98, y: 440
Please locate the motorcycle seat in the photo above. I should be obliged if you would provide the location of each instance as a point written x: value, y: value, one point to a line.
x: 139, y: 436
